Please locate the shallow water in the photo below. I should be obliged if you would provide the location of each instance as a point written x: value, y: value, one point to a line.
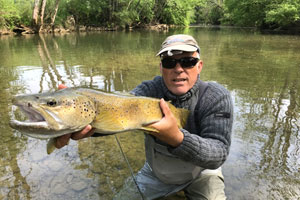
x: 261, y: 72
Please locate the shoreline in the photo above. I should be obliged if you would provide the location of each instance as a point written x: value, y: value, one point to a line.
x: 24, y: 30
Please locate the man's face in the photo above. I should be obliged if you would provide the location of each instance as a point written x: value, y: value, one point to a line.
x: 179, y: 80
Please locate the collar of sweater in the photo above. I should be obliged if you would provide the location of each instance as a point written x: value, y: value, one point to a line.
x: 180, y: 98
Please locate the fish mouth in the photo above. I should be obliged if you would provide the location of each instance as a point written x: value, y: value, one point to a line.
x: 26, y: 119
x: 26, y: 114
x: 36, y: 122
x: 32, y: 114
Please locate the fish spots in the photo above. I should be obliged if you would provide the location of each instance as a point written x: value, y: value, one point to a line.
x: 86, y: 109
x: 132, y: 109
x: 79, y: 107
x: 74, y: 103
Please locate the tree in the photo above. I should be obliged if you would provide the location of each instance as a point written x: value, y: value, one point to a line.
x: 35, y: 13
x: 9, y: 14
x: 284, y: 14
x: 42, y: 13
x: 38, y: 14
x: 54, y: 14
x: 209, y: 12
x: 263, y: 13
x: 179, y: 12
x: 246, y: 12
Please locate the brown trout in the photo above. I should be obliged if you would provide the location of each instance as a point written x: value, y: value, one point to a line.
x: 53, y: 114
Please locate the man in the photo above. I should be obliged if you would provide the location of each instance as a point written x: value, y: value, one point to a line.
x: 186, y: 159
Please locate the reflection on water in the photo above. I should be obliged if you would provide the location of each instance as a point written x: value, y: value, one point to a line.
x: 261, y: 71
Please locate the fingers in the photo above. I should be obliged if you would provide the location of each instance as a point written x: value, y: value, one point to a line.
x: 167, y: 128
x: 166, y: 115
x: 62, y: 141
x: 61, y: 86
x: 86, y: 132
x: 164, y: 107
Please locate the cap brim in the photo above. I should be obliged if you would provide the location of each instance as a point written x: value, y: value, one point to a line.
x: 183, y: 47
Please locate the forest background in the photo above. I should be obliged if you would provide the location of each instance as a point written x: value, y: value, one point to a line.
x: 44, y: 14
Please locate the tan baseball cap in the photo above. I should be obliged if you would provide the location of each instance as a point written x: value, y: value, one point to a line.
x: 180, y: 42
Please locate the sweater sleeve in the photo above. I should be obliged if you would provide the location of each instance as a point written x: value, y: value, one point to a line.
x: 208, y: 146
x: 148, y: 88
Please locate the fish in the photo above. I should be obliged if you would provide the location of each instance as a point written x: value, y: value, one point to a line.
x: 55, y: 113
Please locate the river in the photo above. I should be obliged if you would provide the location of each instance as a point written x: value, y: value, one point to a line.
x: 260, y: 70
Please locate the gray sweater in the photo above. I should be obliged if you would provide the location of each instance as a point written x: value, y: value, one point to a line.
x: 207, y: 135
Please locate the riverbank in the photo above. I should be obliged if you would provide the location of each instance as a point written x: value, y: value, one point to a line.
x: 23, y: 30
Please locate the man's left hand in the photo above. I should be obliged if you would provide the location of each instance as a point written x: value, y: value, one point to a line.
x: 168, y: 130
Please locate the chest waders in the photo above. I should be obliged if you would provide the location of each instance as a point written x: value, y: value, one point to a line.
x: 166, y: 166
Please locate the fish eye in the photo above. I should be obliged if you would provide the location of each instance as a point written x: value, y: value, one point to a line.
x: 51, y: 103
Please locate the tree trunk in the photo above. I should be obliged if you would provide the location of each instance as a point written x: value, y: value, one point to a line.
x: 42, y: 13
x: 54, y: 15
x: 35, y: 14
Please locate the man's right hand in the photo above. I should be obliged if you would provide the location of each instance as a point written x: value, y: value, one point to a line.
x: 64, y: 139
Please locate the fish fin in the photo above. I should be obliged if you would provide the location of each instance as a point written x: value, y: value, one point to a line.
x: 148, y: 128
x: 108, y: 122
x: 50, y: 146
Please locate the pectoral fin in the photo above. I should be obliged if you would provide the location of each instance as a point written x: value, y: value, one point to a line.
x: 50, y: 146
x: 114, y: 121
x: 109, y: 125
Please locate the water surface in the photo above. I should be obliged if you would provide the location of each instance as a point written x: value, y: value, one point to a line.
x: 261, y: 72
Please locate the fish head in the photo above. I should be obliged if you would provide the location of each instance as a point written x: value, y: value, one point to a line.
x: 52, y: 114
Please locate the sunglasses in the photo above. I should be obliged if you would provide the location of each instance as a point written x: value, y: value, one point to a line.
x: 186, y: 62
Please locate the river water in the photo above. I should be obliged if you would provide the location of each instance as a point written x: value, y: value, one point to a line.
x: 260, y: 70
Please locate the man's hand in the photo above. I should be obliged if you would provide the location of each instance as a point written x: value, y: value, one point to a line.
x: 64, y: 139
x: 167, y: 127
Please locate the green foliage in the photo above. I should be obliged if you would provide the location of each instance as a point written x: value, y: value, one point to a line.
x: 140, y: 12
x: 263, y: 13
x: 246, y: 12
x: 62, y: 14
x: 24, y: 8
x: 179, y: 12
x: 9, y: 15
x: 14, y: 12
x: 133, y: 13
x: 284, y: 14
x: 215, y: 15
x: 209, y: 12
x: 175, y: 12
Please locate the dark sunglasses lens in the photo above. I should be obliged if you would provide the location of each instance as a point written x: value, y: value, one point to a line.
x: 188, y: 62
x: 168, y: 63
